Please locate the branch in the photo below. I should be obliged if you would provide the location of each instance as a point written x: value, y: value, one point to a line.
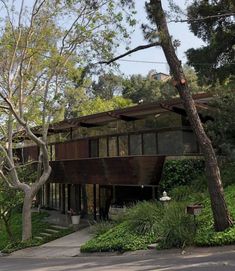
x: 138, y: 48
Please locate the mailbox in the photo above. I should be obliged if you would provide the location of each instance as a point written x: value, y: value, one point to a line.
x: 194, y: 209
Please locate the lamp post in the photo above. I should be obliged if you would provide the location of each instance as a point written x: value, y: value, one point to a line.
x: 165, y: 199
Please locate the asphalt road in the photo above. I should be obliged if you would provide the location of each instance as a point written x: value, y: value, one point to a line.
x: 215, y: 259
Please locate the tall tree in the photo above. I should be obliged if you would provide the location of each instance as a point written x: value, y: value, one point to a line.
x: 221, y: 216
x: 107, y: 86
x: 159, y: 36
x: 39, y: 45
x: 215, y: 60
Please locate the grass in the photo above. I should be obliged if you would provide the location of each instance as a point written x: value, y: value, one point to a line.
x: 38, y: 226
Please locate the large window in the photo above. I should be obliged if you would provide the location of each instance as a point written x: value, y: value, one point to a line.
x: 189, y: 142
x: 103, y: 147
x: 123, y: 145
x: 94, y: 148
x: 113, y: 146
x: 170, y: 143
x: 149, y: 144
x: 135, y: 145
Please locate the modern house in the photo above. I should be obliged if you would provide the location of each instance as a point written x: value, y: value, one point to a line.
x: 114, y: 157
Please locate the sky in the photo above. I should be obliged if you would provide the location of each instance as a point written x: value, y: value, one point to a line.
x: 179, y: 31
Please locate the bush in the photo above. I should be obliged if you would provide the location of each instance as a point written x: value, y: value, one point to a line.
x: 120, y: 238
x: 101, y: 227
x: 143, y: 216
x: 176, y: 229
x: 180, y: 172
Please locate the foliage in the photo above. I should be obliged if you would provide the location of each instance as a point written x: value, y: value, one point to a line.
x: 39, y: 225
x: 222, y: 129
x: 9, y: 200
x: 107, y: 86
x: 218, y: 33
x: 39, y: 56
x: 119, y: 238
x: 101, y: 227
x: 180, y: 172
x: 176, y: 229
x: 142, y: 217
x: 206, y: 235
x: 98, y: 104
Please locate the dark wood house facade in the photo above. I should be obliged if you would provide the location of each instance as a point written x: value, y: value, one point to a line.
x: 116, y: 156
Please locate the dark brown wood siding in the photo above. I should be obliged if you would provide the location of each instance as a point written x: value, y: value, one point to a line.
x: 72, y: 150
x: 131, y: 170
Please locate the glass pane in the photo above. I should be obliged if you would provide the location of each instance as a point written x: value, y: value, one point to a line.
x: 103, y: 147
x: 113, y: 146
x: 170, y: 143
x: 135, y: 145
x: 123, y: 145
x: 149, y: 143
x: 189, y: 142
x: 94, y: 148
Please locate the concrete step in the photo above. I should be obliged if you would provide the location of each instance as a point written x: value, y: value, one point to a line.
x: 45, y: 234
x: 58, y: 227
x: 51, y: 231
x: 38, y: 238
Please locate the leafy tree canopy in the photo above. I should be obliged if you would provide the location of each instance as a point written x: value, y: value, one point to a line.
x: 215, y: 60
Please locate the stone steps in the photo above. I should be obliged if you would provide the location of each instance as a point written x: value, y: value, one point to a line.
x: 50, y: 232
x: 58, y: 227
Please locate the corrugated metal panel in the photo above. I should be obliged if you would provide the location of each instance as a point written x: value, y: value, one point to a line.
x: 131, y: 170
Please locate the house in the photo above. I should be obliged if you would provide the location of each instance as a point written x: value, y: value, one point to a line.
x: 114, y: 157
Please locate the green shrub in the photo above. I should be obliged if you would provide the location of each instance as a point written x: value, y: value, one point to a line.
x: 143, y: 216
x: 180, y: 172
x: 101, y: 227
x: 120, y: 238
x: 176, y: 229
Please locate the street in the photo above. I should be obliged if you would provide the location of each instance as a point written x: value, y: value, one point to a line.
x: 209, y: 259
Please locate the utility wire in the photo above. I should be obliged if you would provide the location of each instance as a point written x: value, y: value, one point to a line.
x: 159, y: 62
x: 224, y: 15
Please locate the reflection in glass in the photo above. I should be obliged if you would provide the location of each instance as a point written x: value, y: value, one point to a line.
x: 113, y: 146
x: 135, y: 145
x: 170, y: 143
x: 94, y: 148
x: 149, y: 143
x: 103, y: 147
x: 123, y: 145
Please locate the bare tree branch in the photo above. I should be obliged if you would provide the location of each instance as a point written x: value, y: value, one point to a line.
x: 138, y: 48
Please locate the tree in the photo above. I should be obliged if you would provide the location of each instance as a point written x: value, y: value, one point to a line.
x: 139, y: 87
x: 161, y: 37
x: 222, y: 129
x: 37, y: 53
x: 215, y: 60
x: 149, y: 89
x: 108, y: 86
x: 96, y: 105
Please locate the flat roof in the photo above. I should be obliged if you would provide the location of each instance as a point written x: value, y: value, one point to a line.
x: 131, y: 113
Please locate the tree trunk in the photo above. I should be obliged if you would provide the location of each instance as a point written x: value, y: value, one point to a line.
x: 26, y: 218
x: 221, y: 216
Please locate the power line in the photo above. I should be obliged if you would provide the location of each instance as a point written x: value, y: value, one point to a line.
x: 224, y: 15
x: 142, y: 61
x: 161, y: 62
